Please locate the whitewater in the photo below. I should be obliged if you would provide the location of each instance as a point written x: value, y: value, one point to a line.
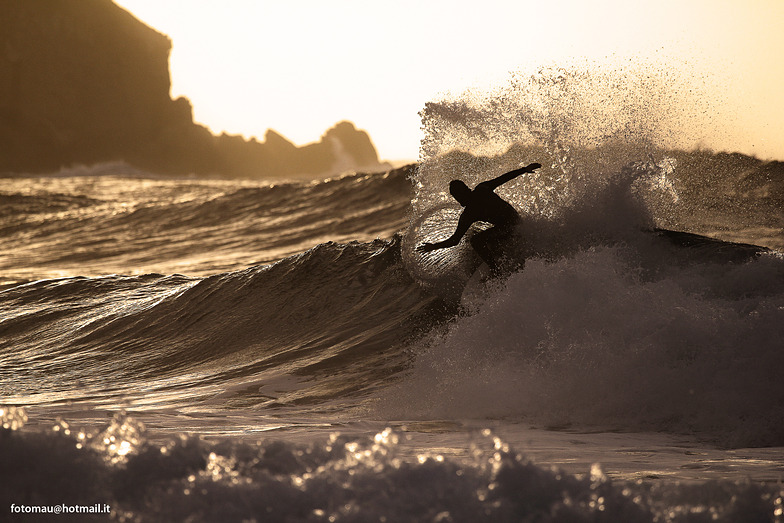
x: 237, y: 350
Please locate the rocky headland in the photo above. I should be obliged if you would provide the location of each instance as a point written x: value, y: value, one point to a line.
x: 85, y: 82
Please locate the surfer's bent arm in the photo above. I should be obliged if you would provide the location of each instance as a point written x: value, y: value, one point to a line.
x: 463, y: 224
x: 511, y: 175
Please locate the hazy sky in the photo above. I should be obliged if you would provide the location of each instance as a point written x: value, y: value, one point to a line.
x: 300, y: 66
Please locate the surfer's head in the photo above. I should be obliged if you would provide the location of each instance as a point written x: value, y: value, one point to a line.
x: 460, y: 191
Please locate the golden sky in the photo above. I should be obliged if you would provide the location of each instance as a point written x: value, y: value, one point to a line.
x: 300, y: 66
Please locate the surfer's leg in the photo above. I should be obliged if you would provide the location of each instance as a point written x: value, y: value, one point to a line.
x: 484, y: 243
x: 501, y: 249
x: 514, y: 251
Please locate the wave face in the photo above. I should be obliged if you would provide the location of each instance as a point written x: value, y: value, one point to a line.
x: 336, y: 315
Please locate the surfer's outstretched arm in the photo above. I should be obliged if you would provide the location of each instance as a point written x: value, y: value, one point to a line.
x: 511, y: 175
x: 463, y: 224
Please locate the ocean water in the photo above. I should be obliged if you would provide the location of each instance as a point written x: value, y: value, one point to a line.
x: 224, y: 350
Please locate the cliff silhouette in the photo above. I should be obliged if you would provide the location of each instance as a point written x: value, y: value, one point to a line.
x: 84, y: 81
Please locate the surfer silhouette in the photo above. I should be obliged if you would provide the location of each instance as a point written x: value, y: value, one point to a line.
x: 496, y: 245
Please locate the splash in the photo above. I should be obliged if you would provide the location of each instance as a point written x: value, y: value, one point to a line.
x: 604, y: 326
x: 121, y: 438
x: 12, y: 418
x: 614, y: 337
x: 584, y: 123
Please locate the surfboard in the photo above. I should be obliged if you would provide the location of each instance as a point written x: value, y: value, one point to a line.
x: 447, y: 271
x: 699, y: 248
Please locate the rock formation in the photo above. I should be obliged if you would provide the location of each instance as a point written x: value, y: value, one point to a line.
x: 83, y: 81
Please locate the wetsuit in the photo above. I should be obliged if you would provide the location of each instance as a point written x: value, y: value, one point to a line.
x: 498, y: 246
